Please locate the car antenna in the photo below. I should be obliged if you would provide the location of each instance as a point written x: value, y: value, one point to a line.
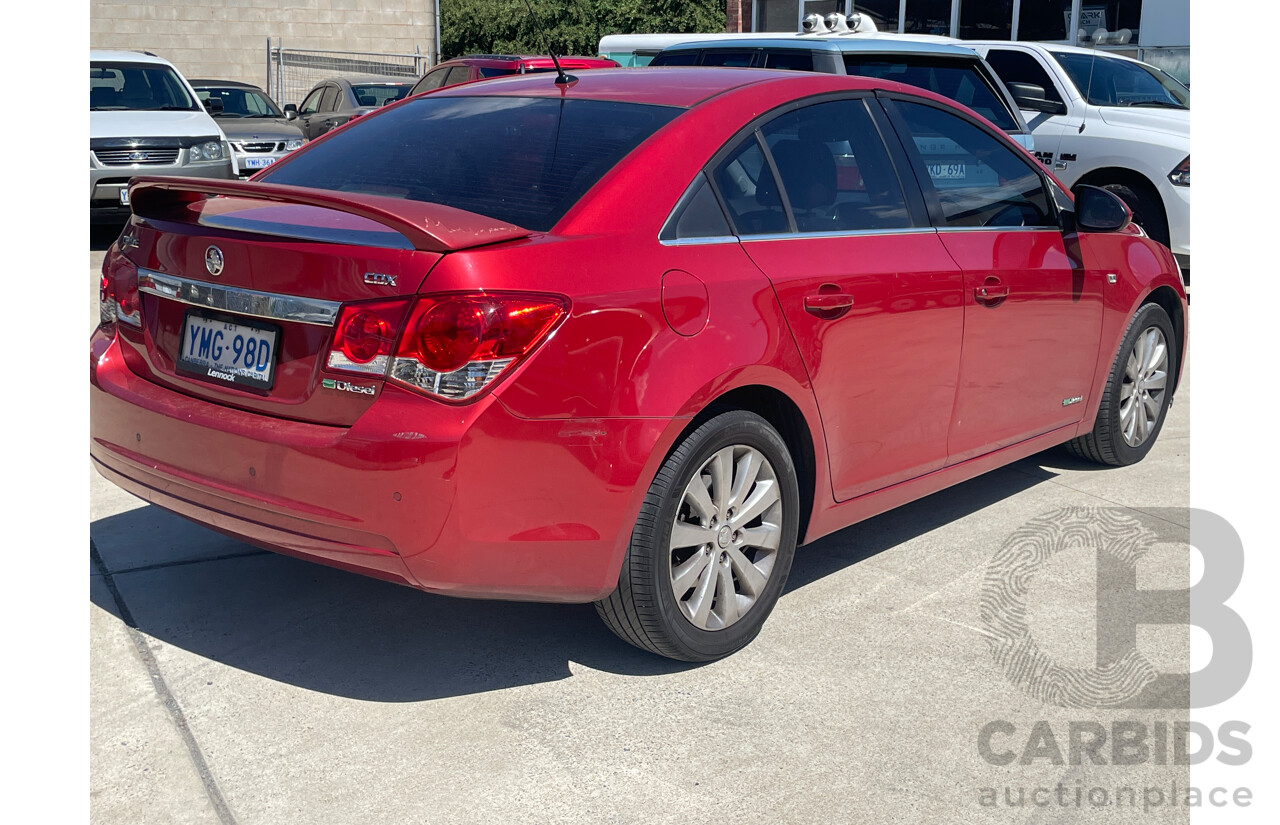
x: 562, y: 79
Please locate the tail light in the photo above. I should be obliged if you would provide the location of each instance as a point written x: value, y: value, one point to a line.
x: 451, y: 347
x: 364, y: 337
x: 118, y: 298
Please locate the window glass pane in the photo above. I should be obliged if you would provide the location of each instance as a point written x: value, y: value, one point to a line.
x: 1110, y: 81
x: 750, y: 192
x: 1020, y: 67
x: 928, y: 17
x: 699, y: 216
x: 312, y: 103
x: 884, y: 13
x: 778, y: 16
x: 329, y: 99
x: 739, y: 60
x: 431, y: 80
x: 521, y: 160
x: 136, y: 86
x: 794, y: 61
x: 835, y: 170
x: 979, y: 180
x: 1044, y: 19
x: 986, y: 19
x: 958, y: 79
x: 493, y: 71
x: 376, y: 94
x: 677, y: 59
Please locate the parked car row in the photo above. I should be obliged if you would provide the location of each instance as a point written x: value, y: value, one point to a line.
x: 472, y: 343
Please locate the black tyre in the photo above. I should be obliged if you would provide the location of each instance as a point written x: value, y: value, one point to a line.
x: 1139, y: 389
x: 713, y: 544
x: 1148, y: 211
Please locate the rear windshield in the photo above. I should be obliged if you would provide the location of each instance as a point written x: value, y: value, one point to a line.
x: 957, y: 79
x: 147, y: 86
x: 522, y: 160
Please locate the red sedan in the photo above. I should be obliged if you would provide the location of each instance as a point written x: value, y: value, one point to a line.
x: 627, y: 341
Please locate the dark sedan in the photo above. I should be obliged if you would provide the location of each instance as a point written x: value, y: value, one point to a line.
x: 333, y: 102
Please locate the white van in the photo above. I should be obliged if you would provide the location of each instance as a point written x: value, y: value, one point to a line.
x: 145, y: 119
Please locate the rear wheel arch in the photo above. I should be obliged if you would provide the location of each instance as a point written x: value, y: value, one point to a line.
x: 785, y: 416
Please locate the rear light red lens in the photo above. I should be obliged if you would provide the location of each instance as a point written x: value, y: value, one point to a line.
x: 364, y: 336
x: 118, y: 298
x: 454, y: 346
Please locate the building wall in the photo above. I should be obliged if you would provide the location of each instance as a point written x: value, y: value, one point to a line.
x: 227, y: 39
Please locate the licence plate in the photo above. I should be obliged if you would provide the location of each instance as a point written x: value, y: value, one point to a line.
x: 946, y: 171
x: 227, y: 352
x: 258, y: 163
x: 124, y: 197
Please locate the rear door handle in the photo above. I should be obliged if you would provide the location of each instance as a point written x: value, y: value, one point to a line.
x: 825, y: 303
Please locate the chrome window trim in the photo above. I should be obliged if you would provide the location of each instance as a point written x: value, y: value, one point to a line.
x: 1054, y: 229
x: 848, y: 233
x: 267, y: 305
x: 700, y: 241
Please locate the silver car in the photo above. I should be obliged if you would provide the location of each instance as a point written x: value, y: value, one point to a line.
x: 260, y: 133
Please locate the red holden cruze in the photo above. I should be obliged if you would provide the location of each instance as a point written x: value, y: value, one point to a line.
x: 628, y: 340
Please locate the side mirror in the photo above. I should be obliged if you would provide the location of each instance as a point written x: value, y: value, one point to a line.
x: 1098, y: 210
x: 290, y: 111
x: 213, y: 105
x: 1031, y: 97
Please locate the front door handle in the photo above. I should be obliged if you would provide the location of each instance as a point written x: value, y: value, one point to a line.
x: 990, y: 294
x: 825, y: 304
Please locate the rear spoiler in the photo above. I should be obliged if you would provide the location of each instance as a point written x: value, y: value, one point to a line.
x: 431, y: 227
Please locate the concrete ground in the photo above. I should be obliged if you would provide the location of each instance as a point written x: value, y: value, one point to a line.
x: 234, y: 685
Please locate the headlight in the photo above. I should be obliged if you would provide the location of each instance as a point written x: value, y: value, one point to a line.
x: 209, y: 151
x: 290, y: 145
x: 1181, y: 174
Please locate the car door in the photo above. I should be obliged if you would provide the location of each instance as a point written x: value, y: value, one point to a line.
x: 1031, y: 320
x: 870, y: 294
x: 309, y: 111
x: 1014, y: 65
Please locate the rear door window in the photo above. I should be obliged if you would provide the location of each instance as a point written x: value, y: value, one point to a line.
x: 835, y: 170
x: 739, y: 59
x: 960, y: 79
x: 677, y: 59
x: 522, y: 160
x: 750, y: 191
x: 329, y: 101
x: 794, y: 61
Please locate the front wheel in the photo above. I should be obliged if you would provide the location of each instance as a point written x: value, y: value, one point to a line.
x: 1138, y: 392
x: 713, y: 544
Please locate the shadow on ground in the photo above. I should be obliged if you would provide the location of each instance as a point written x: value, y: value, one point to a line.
x: 343, y: 634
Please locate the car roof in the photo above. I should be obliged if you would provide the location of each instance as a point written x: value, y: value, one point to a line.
x: 879, y: 45
x: 668, y: 86
x: 371, y: 78
x: 126, y: 56
x: 230, y: 83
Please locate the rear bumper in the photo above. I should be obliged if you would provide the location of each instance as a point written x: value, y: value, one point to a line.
x: 467, y: 501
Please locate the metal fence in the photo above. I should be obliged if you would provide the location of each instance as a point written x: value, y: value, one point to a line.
x: 291, y: 73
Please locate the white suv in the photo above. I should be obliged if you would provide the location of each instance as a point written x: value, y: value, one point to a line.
x: 1110, y: 121
x: 145, y: 119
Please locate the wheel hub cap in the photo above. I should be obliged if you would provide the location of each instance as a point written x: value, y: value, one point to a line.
x: 725, y: 537
x: 1143, y: 388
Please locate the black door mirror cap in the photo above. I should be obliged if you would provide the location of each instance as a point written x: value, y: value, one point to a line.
x: 1098, y: 210
x: 1031, y: 97
x: 290, y: 111
x: 213, y: 105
